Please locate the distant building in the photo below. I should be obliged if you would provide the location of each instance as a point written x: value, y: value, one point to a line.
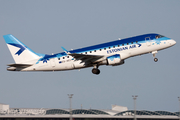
x: 4, y: 108
x: 116, y: 113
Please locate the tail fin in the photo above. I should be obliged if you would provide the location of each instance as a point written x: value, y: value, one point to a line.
x: 20, y: 52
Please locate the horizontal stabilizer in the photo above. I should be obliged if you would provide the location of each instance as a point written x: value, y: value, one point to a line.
x: 19, y: 65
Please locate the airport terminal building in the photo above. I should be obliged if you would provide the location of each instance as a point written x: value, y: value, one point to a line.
x: 116, y: 113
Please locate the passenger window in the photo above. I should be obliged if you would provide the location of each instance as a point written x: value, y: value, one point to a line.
x: 127, y: 43
x: 118, y: 45
x: 63, y: 57
x: 131, y: 42
x: 90, y: 51
x: 99, y: 49
x: 113, y: 46
x: 109, y: 47
x: 136, y: 41
x: 67, y: 56
x: 104, y: 48
x: 94, y: 50
x: 122, y: 44
x: 85, y: 52
x: 58, y: 58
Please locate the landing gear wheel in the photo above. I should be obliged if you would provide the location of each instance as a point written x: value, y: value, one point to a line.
x: 155, y: 59
x: 95, y: 71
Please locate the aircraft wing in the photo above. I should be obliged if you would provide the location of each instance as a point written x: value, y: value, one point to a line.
x: 86, y: 58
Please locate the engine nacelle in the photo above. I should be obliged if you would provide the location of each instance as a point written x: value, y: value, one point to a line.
x: 113, y: 60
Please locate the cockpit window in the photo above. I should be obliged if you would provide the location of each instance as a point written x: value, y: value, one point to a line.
x: 159, y: 36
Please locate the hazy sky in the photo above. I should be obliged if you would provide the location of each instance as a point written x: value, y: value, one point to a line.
x: 45, y: 26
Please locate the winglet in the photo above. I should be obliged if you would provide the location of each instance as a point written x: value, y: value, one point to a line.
x: 66, y: 51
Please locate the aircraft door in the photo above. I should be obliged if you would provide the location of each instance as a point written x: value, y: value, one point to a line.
x: 52, y: 61
x: 148, y: 41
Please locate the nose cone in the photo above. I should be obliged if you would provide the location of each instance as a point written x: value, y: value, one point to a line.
x: 173, y: 42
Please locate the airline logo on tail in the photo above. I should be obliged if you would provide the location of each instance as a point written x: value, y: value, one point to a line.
x: 19, y: 51
x: 22, y: 48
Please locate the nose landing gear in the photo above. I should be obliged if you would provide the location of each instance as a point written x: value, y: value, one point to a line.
x: 154, y: 55
x: 155, y: 59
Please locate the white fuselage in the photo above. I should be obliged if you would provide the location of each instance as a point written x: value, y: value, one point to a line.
x: 112, y: 53
x: 126, y: 52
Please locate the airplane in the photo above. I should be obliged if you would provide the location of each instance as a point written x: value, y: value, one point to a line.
x: 112, y: 53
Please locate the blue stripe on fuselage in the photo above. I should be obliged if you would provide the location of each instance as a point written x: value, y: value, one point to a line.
x: 139, y: 39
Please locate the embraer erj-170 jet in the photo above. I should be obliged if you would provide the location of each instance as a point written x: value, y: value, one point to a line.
x: 112, y: 53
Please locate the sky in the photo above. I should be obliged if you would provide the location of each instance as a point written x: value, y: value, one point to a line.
x: 45, y: 26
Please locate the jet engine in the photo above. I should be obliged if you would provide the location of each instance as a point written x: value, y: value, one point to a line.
x: 113, y: 60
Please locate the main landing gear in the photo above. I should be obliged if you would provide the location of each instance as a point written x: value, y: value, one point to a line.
x: 95, y: 70
x: 154, y: 55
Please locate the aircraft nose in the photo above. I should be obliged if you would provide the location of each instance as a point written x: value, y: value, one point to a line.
x: 173, y: 42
